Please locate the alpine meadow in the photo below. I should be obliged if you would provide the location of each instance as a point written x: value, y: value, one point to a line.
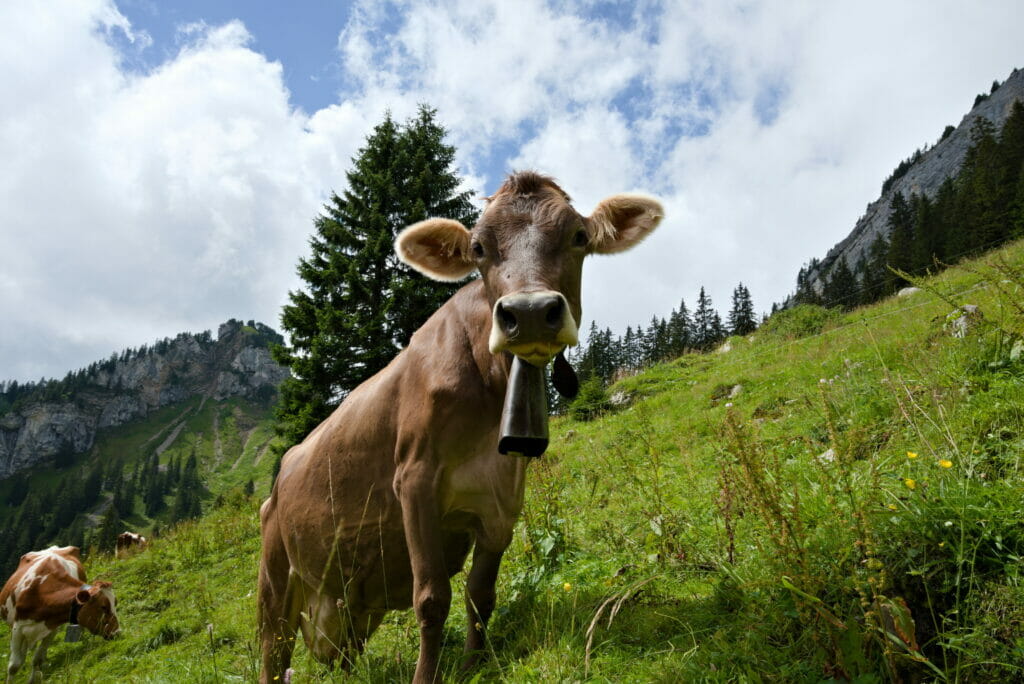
x: 828, y: 490
x: 837, y: 496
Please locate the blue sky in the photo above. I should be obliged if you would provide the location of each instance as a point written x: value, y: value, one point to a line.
x: 161, y: 163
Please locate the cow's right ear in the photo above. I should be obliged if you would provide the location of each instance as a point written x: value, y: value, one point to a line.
x: 82, y: 597
x: 437, y: 248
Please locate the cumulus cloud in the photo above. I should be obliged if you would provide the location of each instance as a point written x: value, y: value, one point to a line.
x: 140, y: 203
x: 137, y: 205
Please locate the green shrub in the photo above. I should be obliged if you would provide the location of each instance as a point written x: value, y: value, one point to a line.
x: 802, y: 320
x: 591, y: 402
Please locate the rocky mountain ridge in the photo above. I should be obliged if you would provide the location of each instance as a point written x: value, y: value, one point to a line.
x: 44, y: 430
x: 922, y: 174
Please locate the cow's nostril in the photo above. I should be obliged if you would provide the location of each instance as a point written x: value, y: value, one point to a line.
x: 508, y: 319
x: 553, y: 316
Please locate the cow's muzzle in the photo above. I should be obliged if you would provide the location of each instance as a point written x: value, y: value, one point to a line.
x: 532, y: 325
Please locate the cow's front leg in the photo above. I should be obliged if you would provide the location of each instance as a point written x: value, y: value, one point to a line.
x: 480, y: 601
x: 431, y: 591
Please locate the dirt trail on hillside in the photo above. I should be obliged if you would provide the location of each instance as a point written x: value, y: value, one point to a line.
x: 180, y: 417
x: 218, y: 447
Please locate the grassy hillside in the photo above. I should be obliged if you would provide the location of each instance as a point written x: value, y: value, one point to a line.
x: 836, y: 497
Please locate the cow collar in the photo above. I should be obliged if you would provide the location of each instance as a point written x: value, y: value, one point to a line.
x: 75, y: 607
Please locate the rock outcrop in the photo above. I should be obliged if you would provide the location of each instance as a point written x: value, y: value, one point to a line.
x: 923, y: 177
x: 40, y: 430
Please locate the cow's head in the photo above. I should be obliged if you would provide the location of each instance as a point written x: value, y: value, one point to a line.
x: 529, y: 246
x: 98, y: 609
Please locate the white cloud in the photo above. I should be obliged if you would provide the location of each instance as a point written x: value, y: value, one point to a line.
x: 136, y: 205
x: 140, y: 205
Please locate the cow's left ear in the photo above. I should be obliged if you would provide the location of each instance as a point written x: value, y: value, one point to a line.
x: 82, y: 597
x: 622, y: 221
x: 437, y: 248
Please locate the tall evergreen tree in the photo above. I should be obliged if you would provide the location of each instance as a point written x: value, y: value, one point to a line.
x: 705, y: 331
x: 359, y: 304
x: 741, y: 319
x: 679, y: 329
x: 841, y: 288
x: 901, y: 240
x: 110, y: 527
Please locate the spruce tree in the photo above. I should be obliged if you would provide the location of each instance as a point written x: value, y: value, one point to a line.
x: 705, y: 329
x: 110, y: 527
x: 359, y: 304
x: 679, y: 329
x: 741, y: 319
x: 901, y: 240
x: 841, y: 289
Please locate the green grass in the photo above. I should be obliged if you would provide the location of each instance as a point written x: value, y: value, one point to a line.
x: 782, y: 535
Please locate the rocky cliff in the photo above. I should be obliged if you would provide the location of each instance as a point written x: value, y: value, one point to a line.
x: 42, y: 429
x: 923, y: 176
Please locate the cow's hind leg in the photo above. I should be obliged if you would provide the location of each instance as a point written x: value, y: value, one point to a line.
x: 480, y: 598
x: 40, y: 657
x: 19, y: 648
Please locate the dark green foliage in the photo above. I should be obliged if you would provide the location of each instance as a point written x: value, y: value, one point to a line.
x: 741, y: 320
x: 360, y: 305
x: 841, y: 289
x: 707, y: 325
x: 187, y: 500
x: 105, y: 538
x: 591, y: 402
x: 606, y: 357
x: 799, y: 321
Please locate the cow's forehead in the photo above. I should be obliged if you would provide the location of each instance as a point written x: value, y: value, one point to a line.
x: 513, y: 213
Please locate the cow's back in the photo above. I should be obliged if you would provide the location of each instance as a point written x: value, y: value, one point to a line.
x: 32, y: 568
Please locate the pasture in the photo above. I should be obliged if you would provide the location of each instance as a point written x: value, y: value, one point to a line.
x: 852, y: 511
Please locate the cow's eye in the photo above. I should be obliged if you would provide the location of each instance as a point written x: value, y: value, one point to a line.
x: 580, y: 239
x: 478, y: 250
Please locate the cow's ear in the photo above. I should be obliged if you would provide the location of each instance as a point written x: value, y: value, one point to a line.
x: 622, y: 221
x: 82, y: 597
x: 437, y: 248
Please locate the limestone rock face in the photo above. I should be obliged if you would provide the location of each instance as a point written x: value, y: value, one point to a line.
x: 924, y: 177
x: 237, y: 363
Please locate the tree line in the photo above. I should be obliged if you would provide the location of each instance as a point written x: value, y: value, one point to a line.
x: 603, y: 358
x: 978, y: 209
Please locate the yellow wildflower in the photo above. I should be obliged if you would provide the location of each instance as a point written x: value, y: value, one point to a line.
x: 911, y: 484
x: 567, y: 586
x: 911, y: 454
x: 945, y: 463
x: 892, y: 507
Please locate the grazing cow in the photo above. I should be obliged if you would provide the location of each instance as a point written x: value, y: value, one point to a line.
x: 380, y: 505
x: 127, y: 542
x: 47, y: 590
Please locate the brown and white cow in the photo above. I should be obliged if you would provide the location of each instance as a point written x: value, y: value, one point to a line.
x: 46, y: 591
x: 127, y: 543
x: 380, y: 505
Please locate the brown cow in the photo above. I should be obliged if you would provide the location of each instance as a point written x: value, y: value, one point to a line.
x: 127, y: 543
x: 47, y: 590
x: 379, y: 506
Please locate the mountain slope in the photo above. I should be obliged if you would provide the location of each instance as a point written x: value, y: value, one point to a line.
x: 50, y: 422
x: 921, y: 174
x: 837, y: 496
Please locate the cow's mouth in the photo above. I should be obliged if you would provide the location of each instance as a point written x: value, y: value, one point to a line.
x: 534, y: 326
x: 537, y: 354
